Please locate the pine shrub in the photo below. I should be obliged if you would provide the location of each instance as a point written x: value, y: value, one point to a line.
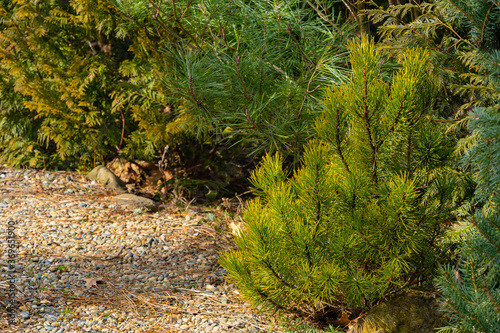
x: 248, y: 71
x: 363, y: 216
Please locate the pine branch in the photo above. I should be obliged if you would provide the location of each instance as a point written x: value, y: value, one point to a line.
x: 491, y: 241
x: 492, y: 300
x: 366, y: 121
x: 338, y: 145
x: 170, y: 31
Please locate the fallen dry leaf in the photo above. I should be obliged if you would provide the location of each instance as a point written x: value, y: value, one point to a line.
x: 235, y: 228
x: 91, y: 282
x: 343, y: 321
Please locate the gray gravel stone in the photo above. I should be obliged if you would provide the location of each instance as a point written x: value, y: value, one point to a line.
x: 24, y: 314
x: 66, y: 238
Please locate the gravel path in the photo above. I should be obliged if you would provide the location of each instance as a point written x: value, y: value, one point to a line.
x: 85, y: 264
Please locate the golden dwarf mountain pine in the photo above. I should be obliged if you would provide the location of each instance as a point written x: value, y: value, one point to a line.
x: 363, y: 216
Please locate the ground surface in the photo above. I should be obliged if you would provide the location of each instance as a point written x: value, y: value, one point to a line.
x: 86, y: 264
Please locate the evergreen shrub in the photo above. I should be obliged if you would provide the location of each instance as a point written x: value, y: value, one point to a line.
x: 55, y: 104
x: 471, y: 289
x: 248, y: 72
x: 363, y: 216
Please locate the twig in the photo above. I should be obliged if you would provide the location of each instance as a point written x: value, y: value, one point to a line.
x: 321, y: 15
x: 197, y: 291
x: 189, y: 204
x: 168, y: 30
x: 181, y: 26
x: 123, y: 131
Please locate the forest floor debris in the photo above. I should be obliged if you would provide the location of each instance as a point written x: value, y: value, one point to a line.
x: 87, y: 264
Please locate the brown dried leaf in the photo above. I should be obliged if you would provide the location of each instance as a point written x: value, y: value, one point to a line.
x: 91, y: 282
x: 457, y: 276
x: 235, y: 228
x: 343, y: 321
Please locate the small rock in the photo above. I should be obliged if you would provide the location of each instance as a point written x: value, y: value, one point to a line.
x: 135, y: 202
x: 408, y: 312
x: 24, y: 314
x: 107, y: 178
x: 50, y: 316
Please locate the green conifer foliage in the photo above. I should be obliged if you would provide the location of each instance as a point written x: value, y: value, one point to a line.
x: 456, y: 32
x: 357, y: 221
x: 249, y: 71
x: 61, y: 62
x: 467, y: 31
x: 471, y: 290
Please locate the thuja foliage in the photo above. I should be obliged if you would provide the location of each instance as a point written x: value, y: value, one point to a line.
x: 59, y: 65
x: 456, y: 32
x: 364, y: 214
x: 471, y: 290
x: 67, y: 67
